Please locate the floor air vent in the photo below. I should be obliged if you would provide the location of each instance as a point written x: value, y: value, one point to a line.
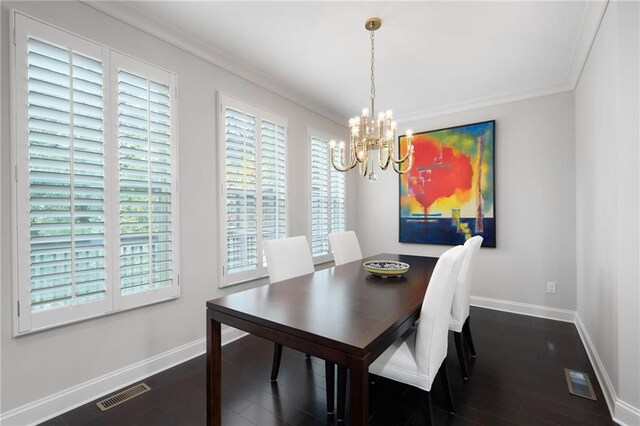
x: 123, y: 396
x: 579, y: 384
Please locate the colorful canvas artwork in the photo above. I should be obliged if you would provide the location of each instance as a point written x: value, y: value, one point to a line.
x: 448, y: 195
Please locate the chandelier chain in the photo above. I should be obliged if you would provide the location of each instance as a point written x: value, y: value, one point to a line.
x: 373, y: 69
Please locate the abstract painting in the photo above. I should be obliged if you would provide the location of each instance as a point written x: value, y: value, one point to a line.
x: 448, y: 196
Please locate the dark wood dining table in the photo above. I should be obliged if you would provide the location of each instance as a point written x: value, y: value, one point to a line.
x: 342, y: 314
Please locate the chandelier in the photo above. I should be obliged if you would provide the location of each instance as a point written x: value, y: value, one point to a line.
x: 369, y: 133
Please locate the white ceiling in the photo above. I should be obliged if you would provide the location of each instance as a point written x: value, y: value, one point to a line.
x: 430, y: 56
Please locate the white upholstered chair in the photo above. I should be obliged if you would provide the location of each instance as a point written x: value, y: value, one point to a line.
x: 420, y: 354
x: 289, y: 258
x: 345, y: 247
x: 286, y: 258
x: 459, y: 322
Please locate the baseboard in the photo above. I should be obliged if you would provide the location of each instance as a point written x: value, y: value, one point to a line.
x: 524, y: 308
x: 626, y: 414
x: 68, y: 399
x: 601, y: 373
x: 621, y: 412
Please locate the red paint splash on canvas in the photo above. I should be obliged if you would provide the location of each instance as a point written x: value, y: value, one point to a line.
x: 437, y: 171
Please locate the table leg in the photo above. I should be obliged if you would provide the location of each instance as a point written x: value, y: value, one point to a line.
x: 214, y: 371
x: 342, y: 391
x: 359, y: 374
x: 329, y: 370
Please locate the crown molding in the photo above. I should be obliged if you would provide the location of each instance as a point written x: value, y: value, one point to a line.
x: 485, y: 102
x: 591, y: 20
x: 590, y: 23
x: 130, y: 15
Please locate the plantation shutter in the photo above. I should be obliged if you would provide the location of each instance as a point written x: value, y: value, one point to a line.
x: 61, y: 251
x: 328, y: 213
x: 319, y: 197
x: 254, y: 187
x: 241, y: 189
x: 273, y: 181
x: 95, y: 188
x: 66, y: 177
x: 146, y: 185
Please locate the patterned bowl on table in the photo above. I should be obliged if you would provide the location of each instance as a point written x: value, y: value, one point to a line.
x: 386, y: 268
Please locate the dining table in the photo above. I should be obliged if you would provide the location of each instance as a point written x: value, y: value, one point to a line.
x: 343, y: 315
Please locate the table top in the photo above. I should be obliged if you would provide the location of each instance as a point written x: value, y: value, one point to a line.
x: 343, y: 307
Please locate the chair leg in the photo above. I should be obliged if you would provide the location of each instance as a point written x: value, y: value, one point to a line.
x: 425, y: 405
x: 329, y: 370
x: 466, y: 329
x: 444, y: 378
x: 342, y: 391
x: 308, y: 356
x: 277, y: 356
x: 457, y: 337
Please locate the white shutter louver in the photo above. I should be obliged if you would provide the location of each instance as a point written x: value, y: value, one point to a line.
x: 241, y: 189
x: 66, y: 177
x: 144, y: 135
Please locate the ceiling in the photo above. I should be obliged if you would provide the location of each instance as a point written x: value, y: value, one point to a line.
x: 431, y: 57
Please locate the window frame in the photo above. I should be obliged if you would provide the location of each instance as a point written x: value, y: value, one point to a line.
x: 314, y: 133
x: 23, y: 27
x: 227, y: 101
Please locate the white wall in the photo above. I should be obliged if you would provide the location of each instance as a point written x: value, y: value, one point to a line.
x: 535, y: 203
x: 607, y: 163
x: 41, y: 364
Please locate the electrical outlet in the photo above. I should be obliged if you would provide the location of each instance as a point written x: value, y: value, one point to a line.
x: 551, y: 287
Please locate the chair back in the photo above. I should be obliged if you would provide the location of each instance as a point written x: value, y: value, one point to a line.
x: 460, y: 306
x: 288, y: 258
x: 433, y: 327
x: 345, y: 247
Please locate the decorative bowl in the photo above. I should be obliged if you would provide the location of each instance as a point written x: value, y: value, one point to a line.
x: 386, y: 268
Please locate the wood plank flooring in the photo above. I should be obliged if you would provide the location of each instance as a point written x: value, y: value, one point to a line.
x: 517, y: 379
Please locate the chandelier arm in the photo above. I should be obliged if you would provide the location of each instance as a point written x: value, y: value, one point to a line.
x: 353, y: 160
x: 384, y: 163
x: 360, y: 149
x: 405, y: 171
x: 408, y: 155
x: 339, y: 167
x: 362, y: 167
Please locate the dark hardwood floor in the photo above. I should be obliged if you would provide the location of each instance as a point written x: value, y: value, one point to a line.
x: 518, y: 378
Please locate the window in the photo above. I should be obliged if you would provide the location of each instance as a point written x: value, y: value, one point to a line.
x: 327, y: 199
x: 79, y: 145
x: 253, y: 186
